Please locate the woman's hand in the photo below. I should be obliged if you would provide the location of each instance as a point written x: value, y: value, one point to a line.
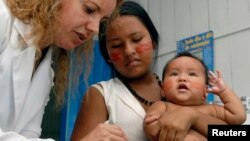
x: 106, y: 132
x: 175, y: 124
x: 150, y: 125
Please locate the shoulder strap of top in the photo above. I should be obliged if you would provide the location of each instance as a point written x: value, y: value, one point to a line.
x: 98, y: 87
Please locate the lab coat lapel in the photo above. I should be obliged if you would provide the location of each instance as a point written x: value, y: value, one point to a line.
x: 39, y: 89
x: 22, y: 62
x: 22, y: 73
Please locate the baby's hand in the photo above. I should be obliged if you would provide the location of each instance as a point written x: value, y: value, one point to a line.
x: 216, y: 83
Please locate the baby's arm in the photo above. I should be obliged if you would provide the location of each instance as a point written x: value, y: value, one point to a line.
x: 193, y: 135
x: 152, y: 127
x: 150, y: 124
x: 233, y: 111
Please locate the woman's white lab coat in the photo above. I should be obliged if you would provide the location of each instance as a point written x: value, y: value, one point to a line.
x: 23, y: 93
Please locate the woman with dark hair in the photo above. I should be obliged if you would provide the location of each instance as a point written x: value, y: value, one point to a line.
x: 129, y: 43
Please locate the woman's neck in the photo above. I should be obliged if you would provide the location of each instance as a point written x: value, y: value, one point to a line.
x: 145, y: 78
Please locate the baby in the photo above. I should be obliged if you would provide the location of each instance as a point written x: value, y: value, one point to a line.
x: 187, y: 83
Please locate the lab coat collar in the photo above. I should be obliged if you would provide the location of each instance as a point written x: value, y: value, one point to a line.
x: 25, y: 31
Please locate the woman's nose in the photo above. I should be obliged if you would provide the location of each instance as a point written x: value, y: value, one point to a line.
x: 93, y: 26
x: 129, y: 49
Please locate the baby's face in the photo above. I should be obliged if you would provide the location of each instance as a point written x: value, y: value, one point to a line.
x: 185, y: 81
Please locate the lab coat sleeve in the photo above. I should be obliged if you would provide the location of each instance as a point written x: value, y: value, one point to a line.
x: 5, y: 25
x: 33, y: 129
x: 12, y: 136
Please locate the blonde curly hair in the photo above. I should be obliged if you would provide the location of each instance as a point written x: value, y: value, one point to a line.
x: 42, y: 16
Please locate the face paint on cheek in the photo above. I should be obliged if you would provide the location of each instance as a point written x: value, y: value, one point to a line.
x: 115, y: 56
x: 143, y: 48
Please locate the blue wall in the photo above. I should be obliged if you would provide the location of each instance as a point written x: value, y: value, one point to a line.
x: 99, y: 71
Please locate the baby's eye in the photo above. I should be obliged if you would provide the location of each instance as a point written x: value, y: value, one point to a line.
x: 173, y: 74
x: 192, y: 74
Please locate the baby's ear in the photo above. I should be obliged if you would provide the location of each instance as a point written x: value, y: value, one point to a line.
x: 206, y: 93
x: 205, y: 96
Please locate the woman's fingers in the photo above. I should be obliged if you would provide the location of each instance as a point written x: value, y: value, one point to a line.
x: 106, y: 132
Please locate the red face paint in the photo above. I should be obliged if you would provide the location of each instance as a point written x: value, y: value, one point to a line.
x: 143, y: 48
x: 115, y: 56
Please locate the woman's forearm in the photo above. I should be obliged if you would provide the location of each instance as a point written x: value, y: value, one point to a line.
x: 202, y: 122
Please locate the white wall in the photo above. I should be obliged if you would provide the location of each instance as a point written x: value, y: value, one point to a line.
x: 228, y: 19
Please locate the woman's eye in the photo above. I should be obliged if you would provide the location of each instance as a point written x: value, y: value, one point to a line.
x: 116, y: 46
x: 137, y: 40
x: 89, y: 10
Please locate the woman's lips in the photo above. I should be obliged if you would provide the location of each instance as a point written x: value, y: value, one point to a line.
x: 80, y: 38
x: 132, y: 63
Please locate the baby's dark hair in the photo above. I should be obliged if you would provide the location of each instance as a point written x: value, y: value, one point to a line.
x: 186, y: 54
